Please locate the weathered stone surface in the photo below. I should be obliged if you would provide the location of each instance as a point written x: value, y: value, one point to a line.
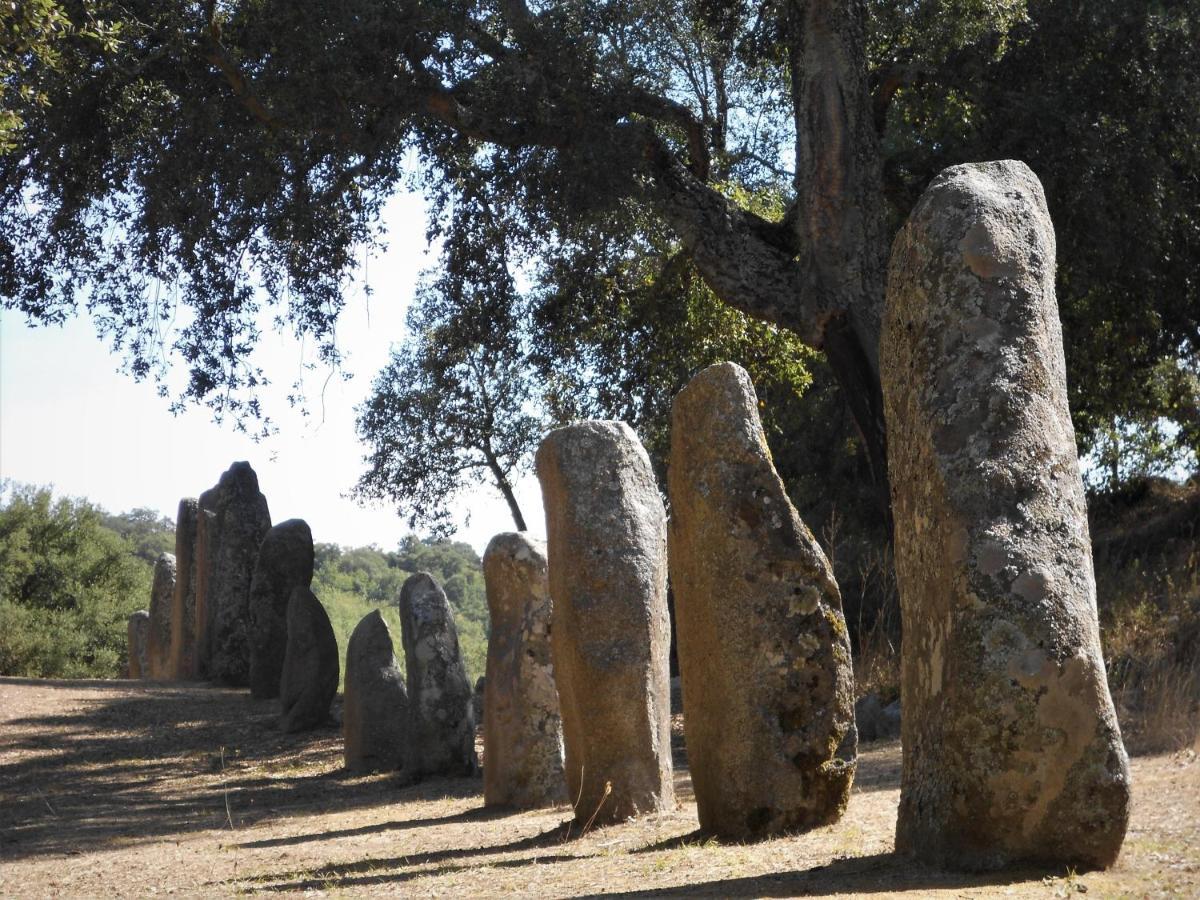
x: 477, y: 698
x: 522, y: 729
x: 207, y: 540
x: 607, y: 553
x: 1011, y: 748
x: 375, y: 703
x: 441, y: 723
x: 137, y: 631
x: 285, y: 562
x: 158, y: 639
x: 183, y: 601
x: 764, y: 654
x: 875, y: 721
x: 242, y: 523
x: 310, y: 665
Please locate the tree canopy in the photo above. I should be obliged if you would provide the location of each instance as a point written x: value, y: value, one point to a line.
x: 217, y: 161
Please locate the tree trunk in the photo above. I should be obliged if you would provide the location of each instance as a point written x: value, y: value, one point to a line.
x: 839, y: 204
x: 505, y: 488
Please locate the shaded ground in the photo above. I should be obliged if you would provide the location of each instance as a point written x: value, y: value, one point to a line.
x: 127, y: 789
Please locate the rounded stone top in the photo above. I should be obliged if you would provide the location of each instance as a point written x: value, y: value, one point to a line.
x: 517, y: 547
x: 591, y: 438
x: 423, y: 598
x: 720, y: 403
x: 239, y: 479
x: 165, y: 561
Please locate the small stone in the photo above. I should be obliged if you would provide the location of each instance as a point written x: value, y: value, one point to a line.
x: 441, y: 723
x: 137, y: 630
x: 375, y: 708
x: 522, y: 729
x: 310, y: 665
x: 285, y: 562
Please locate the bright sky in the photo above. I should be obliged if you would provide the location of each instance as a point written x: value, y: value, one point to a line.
x: 70, y: 419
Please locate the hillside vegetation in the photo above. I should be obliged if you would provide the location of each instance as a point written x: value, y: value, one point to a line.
x: 71, y: 573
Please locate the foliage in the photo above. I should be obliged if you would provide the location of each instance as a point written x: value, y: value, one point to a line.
x: 1099, y: 98
x: 67, y: 585
x: 451, y: 409
x: 148, y: 532
x: 34, y: 31
x: 203, y: 170
x: 352, y: 582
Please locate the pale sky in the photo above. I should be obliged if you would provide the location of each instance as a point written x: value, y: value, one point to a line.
x: 70, y: 419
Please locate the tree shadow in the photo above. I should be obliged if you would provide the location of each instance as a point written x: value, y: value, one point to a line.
x: 170, y: 759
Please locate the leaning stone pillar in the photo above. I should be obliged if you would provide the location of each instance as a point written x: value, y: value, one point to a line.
x: 764, y: 655
x: 522, y: 729
x: 1012, y: 752
x: 607, y: 543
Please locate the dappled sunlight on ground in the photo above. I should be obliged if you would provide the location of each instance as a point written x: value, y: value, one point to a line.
x: 128, y: 788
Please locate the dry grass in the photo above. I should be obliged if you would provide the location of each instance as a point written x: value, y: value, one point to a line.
x: 121, y: 789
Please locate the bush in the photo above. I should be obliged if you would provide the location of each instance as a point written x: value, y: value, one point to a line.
x: 67, y: 586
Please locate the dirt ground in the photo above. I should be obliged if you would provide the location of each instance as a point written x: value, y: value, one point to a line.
x: 132, y: 789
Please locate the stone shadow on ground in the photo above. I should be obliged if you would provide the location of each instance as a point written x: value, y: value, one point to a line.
x: 170, y: 759
x: 374, y: 871
x: 877, y: 873
x: 477, y: 814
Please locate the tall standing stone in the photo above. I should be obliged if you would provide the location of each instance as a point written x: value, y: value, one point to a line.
x: 183, y: 601
x: 522, y: 729
x: 137, y: 630
x: 607, y: 552
x: 158, y: 639
x: 207, y: 540
x: 242, y: 523
x: 285, y: 562
x: 441, y: 723
x: 310, y: 665
x: 1011, y: 747
x: 375, y: 706
x: 764, y: 654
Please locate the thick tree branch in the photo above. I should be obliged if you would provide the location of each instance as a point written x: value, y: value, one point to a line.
x: 746, y: 260
x: 888, y: 80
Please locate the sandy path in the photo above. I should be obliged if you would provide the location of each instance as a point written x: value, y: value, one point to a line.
x: 135, y: 789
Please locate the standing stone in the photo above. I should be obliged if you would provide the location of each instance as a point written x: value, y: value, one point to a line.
x: 764, y: 654
x: 1012, y: 752
x: 285, y: 562
x: 310, y: 665
x: 183, y: 601
x: 607, y: 553
x: 137, y: 630
x: 158, y: 640
x: 242, y: 523
x: 375, y: 707
x: 522, y: 730
x: 207, y: 540
x: 441, y: 723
